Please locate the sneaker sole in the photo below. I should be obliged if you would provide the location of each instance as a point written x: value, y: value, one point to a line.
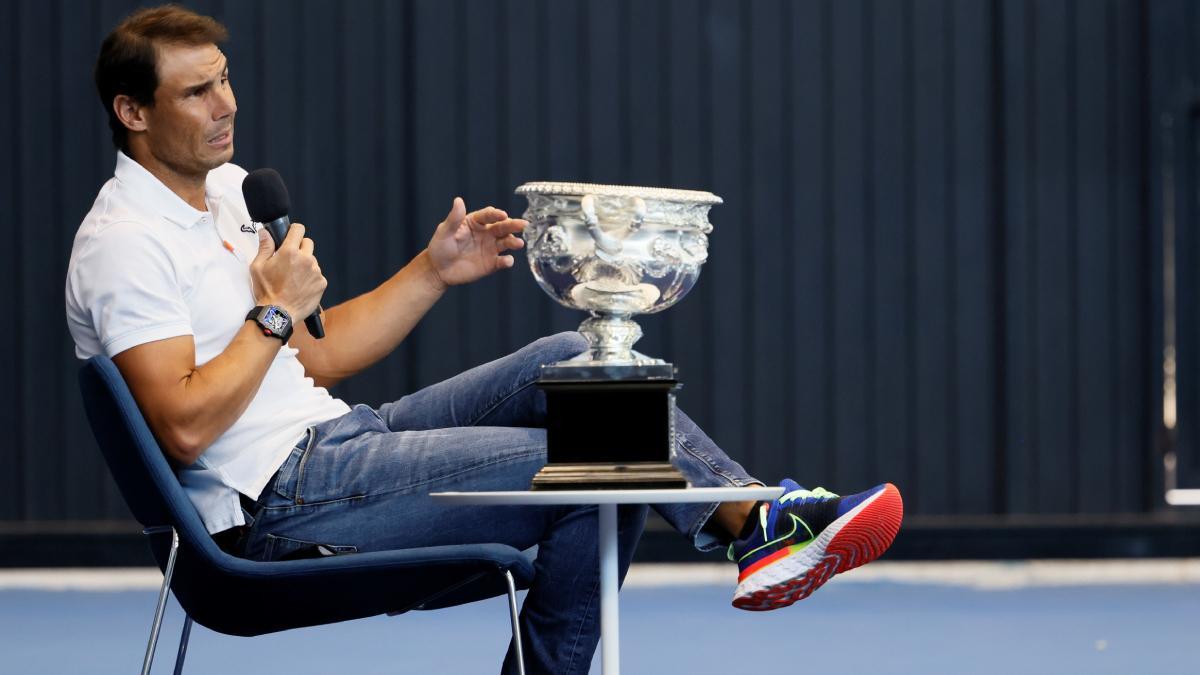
x: 853, y: 540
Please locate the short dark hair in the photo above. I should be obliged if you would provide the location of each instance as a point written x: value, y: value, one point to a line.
x: 128, y: 61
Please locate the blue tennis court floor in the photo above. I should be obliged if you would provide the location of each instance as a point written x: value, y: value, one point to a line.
x: 904, y: 618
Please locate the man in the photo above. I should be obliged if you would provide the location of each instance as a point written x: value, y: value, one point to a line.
x: 168, y: 277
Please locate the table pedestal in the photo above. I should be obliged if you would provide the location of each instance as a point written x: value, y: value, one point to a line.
x: 610, y: 630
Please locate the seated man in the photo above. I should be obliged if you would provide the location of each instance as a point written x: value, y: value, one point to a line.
x: 169, y: 277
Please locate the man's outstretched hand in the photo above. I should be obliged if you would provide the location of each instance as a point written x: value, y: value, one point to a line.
x: 468, y: 246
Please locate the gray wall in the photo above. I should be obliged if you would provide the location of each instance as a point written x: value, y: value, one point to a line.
x: 935, y: 262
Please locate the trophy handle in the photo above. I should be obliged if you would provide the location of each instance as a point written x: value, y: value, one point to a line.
x: 606, y: 242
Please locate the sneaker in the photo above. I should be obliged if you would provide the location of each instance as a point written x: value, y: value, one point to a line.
x: 807, y: 536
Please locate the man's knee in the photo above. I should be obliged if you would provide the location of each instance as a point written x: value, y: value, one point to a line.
x: 560, y: 346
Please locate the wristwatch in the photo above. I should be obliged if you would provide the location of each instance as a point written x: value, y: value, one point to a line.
x: 273, y: 320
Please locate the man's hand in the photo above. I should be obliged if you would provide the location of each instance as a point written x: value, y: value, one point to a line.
x: 468, y: 246
x: 289, y: 277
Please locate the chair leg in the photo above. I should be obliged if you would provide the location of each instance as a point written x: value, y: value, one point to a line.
x: 516, y: 627
x: 162, y: 603
x: 183, y: 644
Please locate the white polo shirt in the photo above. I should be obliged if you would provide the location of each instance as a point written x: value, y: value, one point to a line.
x: 147, y: 266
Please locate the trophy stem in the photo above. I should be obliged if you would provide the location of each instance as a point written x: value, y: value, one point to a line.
x: 611, y: 337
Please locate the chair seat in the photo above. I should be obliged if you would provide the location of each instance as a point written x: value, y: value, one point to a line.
x: 243, y: 597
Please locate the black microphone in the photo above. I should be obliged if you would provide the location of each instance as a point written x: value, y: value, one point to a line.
x: 267, y: 200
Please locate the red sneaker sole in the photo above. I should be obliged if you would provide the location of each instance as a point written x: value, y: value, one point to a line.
x: 860, y: 541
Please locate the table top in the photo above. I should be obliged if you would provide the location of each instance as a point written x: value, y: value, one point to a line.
x: 673, y: 496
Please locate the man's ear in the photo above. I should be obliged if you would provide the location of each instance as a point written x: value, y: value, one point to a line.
x: 131, y: 113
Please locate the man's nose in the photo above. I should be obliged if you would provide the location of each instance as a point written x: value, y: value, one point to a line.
x: 226, y: 104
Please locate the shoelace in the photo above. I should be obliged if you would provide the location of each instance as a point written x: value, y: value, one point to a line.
x: 802, y: 494
x: 794, y: 495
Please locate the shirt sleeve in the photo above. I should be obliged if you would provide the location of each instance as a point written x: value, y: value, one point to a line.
x: 126, y: 282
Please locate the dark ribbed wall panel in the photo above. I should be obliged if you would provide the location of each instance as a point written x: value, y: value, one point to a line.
x: 1076, y: 318
x: 932, y: 266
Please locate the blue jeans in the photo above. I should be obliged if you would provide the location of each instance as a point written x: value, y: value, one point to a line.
x: 361, y: 482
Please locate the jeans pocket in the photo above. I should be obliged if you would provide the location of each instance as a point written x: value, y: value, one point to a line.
x: 288, y: 475
x: 287, y: 548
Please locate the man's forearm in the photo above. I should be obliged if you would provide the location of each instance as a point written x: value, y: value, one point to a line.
x: 189, y: 410
x: 218, y: 392
x: 361, y: 331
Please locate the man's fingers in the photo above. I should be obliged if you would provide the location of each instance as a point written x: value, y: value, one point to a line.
x: 487, y: 216
x: 294, y: 236
x: 307, y: 245
x: 510, y: 243
x: 507, y: 226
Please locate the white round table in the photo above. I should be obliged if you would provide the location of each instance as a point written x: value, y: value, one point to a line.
x: 607, y: 501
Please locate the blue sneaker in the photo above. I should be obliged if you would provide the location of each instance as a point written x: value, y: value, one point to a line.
x: 807, y: 536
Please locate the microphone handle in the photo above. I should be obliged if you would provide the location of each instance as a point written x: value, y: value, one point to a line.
x: 278, y: 229
x: 314, y: 324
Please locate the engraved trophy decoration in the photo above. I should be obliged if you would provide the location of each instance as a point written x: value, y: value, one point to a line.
x: 614, y: 251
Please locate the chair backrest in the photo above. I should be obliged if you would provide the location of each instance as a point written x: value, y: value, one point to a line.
x: 137, y: 462
x: 243, y: 597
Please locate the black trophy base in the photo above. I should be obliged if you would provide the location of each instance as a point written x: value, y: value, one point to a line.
x: 605, y: 476
x: 609, y: 427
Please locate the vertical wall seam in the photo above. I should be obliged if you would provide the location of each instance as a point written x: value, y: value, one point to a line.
x: 707, y: 291
x: 665, y: 173
x: 745, y: 132
x: 408, y: 104
x: 1073, y: 254
x: 998, y: 207
x: 542, y: 23
x: 21, y: 432
x: 379, y: 153
x: 1113, y: 226
x: 583, y: 44
x: 624, y: 89
x: 261, y: 111
x: 827, y: 277
x: 1030, y: 225
x: 463, y: 167
x: 504, y: 182
x: 342, y: 183
x: 53, y: 292
x: 949, y: 59
x: 870, y: 415
x: 1151, y: 457
x: 908, y: 122
x: 788, y: 74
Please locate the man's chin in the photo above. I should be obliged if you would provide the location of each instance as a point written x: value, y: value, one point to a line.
x: 219, y: 157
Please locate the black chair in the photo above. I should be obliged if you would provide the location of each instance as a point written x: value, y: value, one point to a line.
x: 241, y: 597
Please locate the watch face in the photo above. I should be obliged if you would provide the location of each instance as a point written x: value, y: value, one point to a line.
x: 276, y: 321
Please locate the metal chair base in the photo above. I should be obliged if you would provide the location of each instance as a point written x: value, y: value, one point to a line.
x: 148, y: 661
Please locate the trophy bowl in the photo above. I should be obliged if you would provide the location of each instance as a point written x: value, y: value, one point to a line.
x: 615, y: 251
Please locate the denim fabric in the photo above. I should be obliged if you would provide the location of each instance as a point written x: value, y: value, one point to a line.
x: 361, y: 482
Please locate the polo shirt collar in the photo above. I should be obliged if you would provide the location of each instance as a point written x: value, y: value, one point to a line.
x: 158, y: 197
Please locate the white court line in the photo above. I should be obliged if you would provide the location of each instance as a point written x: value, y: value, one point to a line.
x: 967, y: 574
x: 980, y: 575
x: 81, y: 579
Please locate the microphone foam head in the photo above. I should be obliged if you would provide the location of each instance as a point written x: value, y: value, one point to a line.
x: 266, y: 195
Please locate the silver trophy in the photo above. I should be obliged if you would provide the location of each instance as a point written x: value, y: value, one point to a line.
x: 614, y: 251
